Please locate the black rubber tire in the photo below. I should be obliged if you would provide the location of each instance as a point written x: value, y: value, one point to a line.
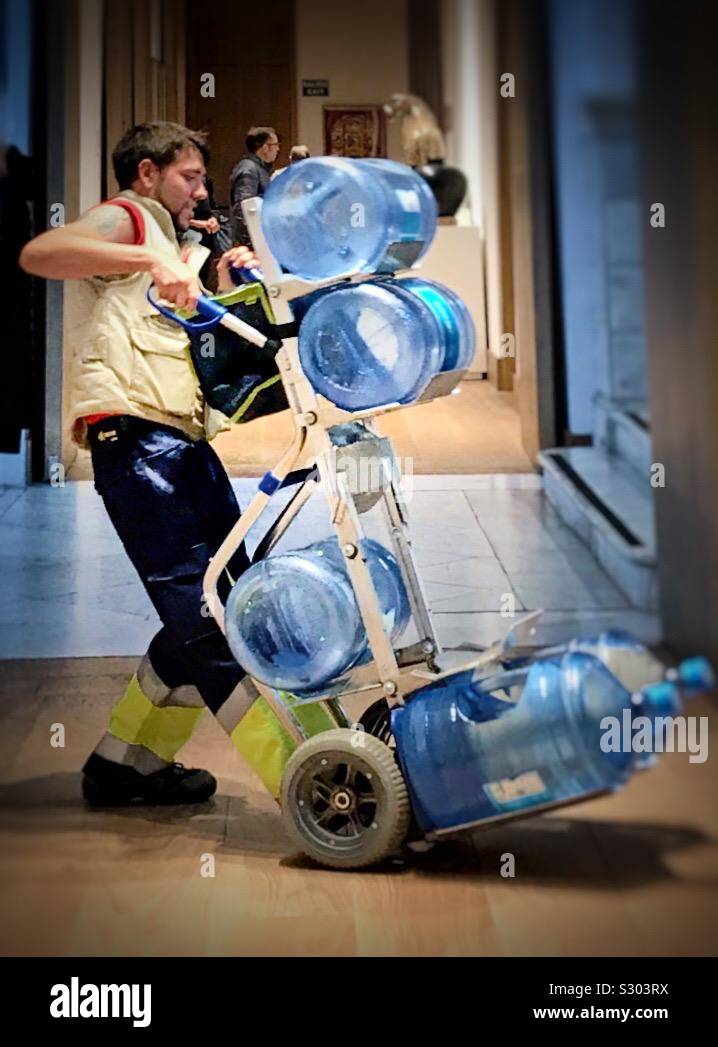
x: 341, y: 767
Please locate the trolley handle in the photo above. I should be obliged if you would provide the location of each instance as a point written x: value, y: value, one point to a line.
x: 242, y: 274
x: 214, y: 314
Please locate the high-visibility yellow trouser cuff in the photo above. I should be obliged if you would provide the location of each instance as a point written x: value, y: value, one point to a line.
x: 161, y: 729
x: 265, y: 744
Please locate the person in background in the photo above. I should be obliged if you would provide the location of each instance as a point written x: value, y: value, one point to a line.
x: 206, y: 225
x: 205, y: 220
x: 296, y: 153
x: 251, y: 176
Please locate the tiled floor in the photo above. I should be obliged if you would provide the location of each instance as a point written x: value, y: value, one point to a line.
x: 483, y: 544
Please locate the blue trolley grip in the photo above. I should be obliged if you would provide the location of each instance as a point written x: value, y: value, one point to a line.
x: 214, y: 314
x: 241, y: 274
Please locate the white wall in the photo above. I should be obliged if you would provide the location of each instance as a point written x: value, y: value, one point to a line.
x: 471, y: 95
x: 361, y: 48
x: 489, y: 218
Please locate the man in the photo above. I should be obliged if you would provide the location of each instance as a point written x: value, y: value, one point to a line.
x: 251, y: 176
x: 138, y: 407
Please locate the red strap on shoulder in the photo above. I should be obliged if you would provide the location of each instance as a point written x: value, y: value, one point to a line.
x: 135, y: 213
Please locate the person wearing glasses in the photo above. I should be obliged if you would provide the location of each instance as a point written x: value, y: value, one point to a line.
x: 251, y: 176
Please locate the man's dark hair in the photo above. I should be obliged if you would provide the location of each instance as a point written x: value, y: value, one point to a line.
x: 160, y: 141
x: 257, y: 136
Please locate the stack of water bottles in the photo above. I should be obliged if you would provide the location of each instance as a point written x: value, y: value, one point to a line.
x: 377, y: 342
x: 292, y: 620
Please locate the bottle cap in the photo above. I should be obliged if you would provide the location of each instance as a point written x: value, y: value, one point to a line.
x: 696, y: 675
x: 663, y: 699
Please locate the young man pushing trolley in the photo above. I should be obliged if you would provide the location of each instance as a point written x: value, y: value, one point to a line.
x: 137, y: 405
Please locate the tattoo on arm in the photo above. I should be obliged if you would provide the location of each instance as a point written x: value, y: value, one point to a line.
x: 112, y: 223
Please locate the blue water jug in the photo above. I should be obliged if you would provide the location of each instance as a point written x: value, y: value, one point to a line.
x: 457, y: 327
x: 630, y: 661
x: 293, y: 623
x: 365, y: 345
x: 292, y: 620
x: 386, y: 578
x: 471, y: 753
x: 331, y: 215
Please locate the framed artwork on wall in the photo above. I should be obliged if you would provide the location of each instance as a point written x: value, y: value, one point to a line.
x: 354, y: 130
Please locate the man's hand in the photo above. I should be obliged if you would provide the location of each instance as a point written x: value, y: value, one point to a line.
x: 176, y: 283
x: 237, y: 257
x: 205, y: 225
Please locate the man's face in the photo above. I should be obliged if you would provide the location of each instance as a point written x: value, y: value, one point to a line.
x: 270, y: 150
x: 180, y: 186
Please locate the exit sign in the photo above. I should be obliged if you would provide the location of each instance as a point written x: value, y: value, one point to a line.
x: 315, y: 88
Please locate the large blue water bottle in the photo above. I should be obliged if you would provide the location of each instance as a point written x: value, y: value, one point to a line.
x: 292, y: 620
x: 365, y: 345
x: 457, y: 327
x: 293, y: 623
x: 472, y: 754
x: 630, y: 661
x: 331, y: 215
x: 386, y: 578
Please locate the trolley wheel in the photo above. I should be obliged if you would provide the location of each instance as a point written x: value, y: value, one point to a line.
x: 344, y: 800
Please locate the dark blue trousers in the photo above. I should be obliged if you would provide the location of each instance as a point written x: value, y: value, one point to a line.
x: 172, y: 505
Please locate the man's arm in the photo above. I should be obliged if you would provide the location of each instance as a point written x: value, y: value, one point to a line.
x: 100, y: 243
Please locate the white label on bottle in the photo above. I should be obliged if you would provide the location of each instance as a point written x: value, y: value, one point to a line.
x: 509, y: 790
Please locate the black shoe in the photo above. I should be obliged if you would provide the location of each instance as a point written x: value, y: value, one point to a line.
x: 109, y: 784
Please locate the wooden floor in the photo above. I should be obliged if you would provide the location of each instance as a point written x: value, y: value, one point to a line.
x: 476, y: 431
x: 633, y: 874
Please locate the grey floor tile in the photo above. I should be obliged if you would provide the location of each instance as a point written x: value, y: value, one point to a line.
x: 8, y: 497
x: 93, y: 637
x: 563, y: 594
x: 508, y: 504
x: 451, y: 509
x: 449, y: 543
x: 555, y: 578
x: 552, y: 627
x: 68, y: 589
x: 478, y: 482
x: 476, y: 584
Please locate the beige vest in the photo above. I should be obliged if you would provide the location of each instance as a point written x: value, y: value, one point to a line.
x: 127, y: 358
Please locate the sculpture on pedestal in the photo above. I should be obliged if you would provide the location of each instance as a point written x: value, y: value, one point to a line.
x: 424, y: 149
